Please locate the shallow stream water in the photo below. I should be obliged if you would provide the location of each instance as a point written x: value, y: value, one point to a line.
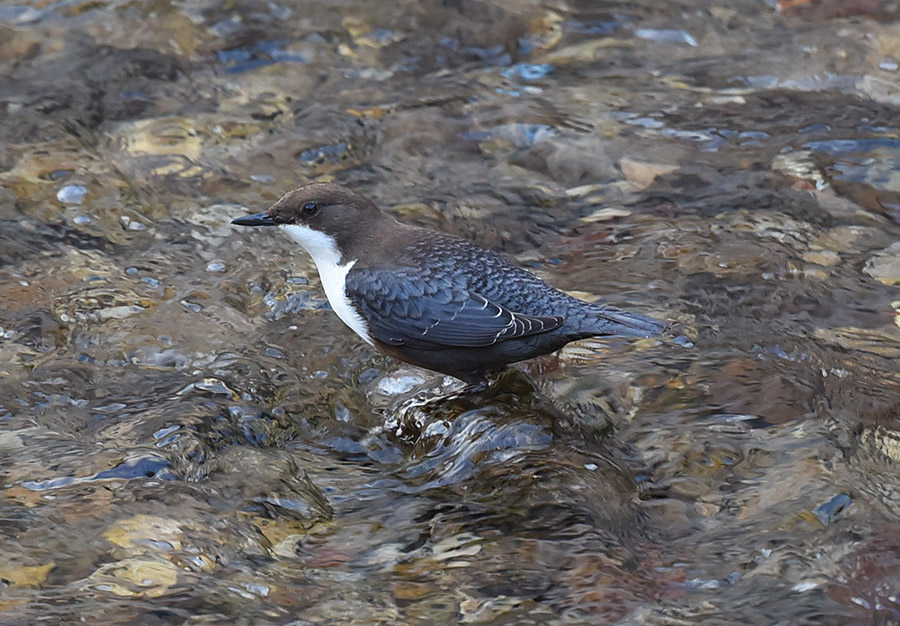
x: 189, y: 436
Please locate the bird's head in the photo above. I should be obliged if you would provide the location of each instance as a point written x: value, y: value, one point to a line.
x: 326, y: 219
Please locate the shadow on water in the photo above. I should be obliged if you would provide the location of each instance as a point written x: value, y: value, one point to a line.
x: 188, y: 435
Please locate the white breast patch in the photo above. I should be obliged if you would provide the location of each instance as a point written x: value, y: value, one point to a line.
x: 333, y: 274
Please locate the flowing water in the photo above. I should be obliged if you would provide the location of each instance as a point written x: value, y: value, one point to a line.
x: 189, y: 436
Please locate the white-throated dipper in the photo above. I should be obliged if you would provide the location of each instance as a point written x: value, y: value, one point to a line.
x: 429, y: 298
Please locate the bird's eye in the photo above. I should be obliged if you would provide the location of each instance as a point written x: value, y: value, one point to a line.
x: 310, y: 208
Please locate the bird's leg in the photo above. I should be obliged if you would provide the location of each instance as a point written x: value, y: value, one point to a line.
x: 476, y: 382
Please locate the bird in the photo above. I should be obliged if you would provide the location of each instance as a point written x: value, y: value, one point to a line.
x: 430, y: 298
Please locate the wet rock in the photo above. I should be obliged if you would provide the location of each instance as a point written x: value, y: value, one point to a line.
x: 825, y: 258
x: 164, y: 136
x: 843, y: 238
x: 881, y: 343
x: 829, y: 511
x: 454, y: 550
x: 72, y: 194
x: 885, y: 265
x: 801, y: 168
x: 883, y: 442
x: 212, y: 386
x: 485, y: 610
x: 866, y: 583
x: 527, y: 71
x: 87, y: 83
x: 360, y: 612
x: 815, y: 10
x: 665, y: 35
x: 137, y: 578
x: 568, y: 160
x: 319, y: 155
x: 641, y: 173
x: 732, y: 254
x: 271, y: 486
x: 16, y: 574
x: 606, y: 213
x: 146, y: 534
x: 755, y: 388
x: 889, y: 64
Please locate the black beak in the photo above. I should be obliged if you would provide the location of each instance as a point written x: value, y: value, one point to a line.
x: 257, y: 219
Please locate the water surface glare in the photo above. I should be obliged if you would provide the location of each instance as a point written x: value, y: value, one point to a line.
x: 188, y: 435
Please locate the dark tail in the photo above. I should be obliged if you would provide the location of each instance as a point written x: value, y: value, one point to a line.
x: 613, y: 321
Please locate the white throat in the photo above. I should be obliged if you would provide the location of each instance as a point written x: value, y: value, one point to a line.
x: 324, y: 252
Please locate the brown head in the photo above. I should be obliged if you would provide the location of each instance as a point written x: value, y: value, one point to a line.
x: 325, y: 219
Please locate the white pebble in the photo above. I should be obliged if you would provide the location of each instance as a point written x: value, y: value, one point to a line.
x: 72, y: 194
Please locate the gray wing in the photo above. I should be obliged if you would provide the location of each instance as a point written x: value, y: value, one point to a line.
x: 406, y: 308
